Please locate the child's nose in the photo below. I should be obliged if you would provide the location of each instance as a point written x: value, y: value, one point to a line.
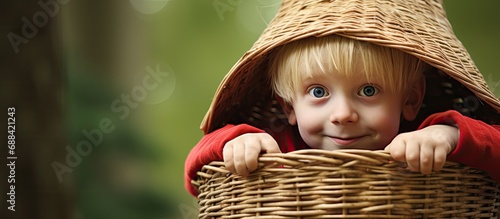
x: 343, y: 113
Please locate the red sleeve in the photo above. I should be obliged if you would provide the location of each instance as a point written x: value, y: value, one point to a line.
x: 478, y: 144
x: 209, y: 149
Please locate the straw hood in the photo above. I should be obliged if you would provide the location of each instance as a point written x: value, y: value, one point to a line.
x: 417, y: 27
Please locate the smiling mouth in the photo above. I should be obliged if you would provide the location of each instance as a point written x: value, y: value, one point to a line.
x: 345, y: 141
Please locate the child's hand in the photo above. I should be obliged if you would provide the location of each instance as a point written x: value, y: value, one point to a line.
x: 426, y: 149
x: 241, y: 153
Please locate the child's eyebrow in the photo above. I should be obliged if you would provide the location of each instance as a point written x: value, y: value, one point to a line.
x: 313, y: 77
x: 305, y: 83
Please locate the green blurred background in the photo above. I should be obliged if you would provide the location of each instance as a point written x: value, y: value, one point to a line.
x: 125, y: 85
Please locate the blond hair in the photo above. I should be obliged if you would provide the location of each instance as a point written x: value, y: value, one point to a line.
x: 298, y: 60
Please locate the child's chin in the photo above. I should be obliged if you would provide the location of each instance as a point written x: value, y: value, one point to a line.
x: 328, y: 147
x: 334, y: 147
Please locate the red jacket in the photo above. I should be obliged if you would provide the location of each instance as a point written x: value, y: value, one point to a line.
x: 478, y: 145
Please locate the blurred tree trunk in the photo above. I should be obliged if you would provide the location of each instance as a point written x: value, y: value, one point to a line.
x: 105, y: 49
x: 109, y: 37
x: 32, y: 81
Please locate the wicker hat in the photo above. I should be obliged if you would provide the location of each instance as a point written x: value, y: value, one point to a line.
x: 417, y: 27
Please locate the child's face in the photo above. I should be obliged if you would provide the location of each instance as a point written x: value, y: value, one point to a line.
x: 336, y: 112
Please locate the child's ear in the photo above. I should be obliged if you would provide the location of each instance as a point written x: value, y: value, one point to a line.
x: 290, y: 114
x: 288, y: 110
x: 412, y: 102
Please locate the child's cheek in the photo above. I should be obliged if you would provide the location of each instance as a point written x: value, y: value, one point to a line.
x: 311, y: 122
x: 389, y: 130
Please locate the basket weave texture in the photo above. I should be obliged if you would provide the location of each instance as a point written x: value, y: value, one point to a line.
x: 344, y: 184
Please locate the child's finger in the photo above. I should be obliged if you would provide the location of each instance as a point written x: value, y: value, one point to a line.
x: 439, y: 158
x: 252, y: 152
x: 387, y: 148
x: 269, y: 145
x: 227, y: 153
x: 239, y: 159
x: 397, y: 148
x: 240, y: 153
x: 426, y: 159
x: 413, y: 156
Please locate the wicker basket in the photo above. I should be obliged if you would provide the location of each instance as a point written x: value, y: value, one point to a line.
x: 344, y: 184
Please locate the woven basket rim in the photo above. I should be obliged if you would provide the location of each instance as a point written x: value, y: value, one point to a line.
x: 351, y: 183
x: 373, y: 157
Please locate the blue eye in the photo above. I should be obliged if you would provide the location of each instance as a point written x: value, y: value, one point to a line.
x: 368, y: 91
x: 318, y: 92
